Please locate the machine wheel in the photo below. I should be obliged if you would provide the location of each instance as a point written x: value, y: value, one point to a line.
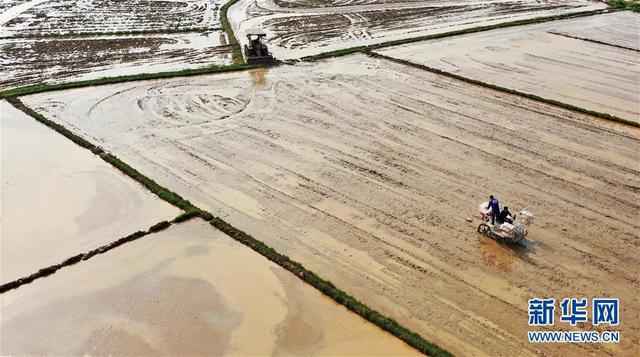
x: 484, y: 229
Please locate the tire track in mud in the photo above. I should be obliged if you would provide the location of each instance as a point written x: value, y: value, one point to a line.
x: 523, y: 148
x: 565, y: 106
x: 367, y: 233
x: 326, y: 28
x: 15, y: 11
x: 391, y: 255
x: 292, y: 164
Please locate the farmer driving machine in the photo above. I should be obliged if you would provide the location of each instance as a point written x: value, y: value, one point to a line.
x: 507, y: 232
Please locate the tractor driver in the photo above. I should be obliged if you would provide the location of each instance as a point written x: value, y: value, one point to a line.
x: 505, y: 216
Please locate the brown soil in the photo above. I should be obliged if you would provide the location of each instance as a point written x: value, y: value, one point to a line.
x: 572, y: 61
x: 33, y: 61
x: 365, y: 171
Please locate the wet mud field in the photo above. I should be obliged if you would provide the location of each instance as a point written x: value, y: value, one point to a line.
x: 189, y: 290
x: 44, y: 41
x: 65, y: 17
x: 60, y: 200
x: 51, y: 60
x: 298, y: 29
x: 366, y: 171
x: 591, y: 62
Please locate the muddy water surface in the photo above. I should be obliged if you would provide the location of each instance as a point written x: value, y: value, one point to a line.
x: 189, y: 290
x: 59, y: 200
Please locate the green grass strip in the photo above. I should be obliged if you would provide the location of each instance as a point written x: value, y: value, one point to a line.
x: 326, y: 287
x: 535, y: 20
x: 624, y: 5
x: 40, y: 88
x: 238, y: 59
x: 336, y: 53
x: 191, y: 213
x: 151, y: 185
x: 553, y: 102
x: 83, y: 256
x: 159, y: 226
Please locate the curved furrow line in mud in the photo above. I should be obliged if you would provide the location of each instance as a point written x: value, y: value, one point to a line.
x: 9, y: 14
x: 272, y: 6
x: 297, y: 32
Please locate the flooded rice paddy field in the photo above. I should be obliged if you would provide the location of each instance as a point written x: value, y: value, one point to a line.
x: 51, y: 60
x: 50, y: 41
x: 337, y: 3
x: 58, y: 17
x: 59, y: 200
x: 188, y: 290
x: 366, y: 170
x: 591, y: 62
x: 312, y: 27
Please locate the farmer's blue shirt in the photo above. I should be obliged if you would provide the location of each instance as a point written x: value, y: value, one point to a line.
x: 495, y: 206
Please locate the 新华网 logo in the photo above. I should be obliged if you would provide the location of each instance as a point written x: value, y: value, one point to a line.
x: 601, y: 311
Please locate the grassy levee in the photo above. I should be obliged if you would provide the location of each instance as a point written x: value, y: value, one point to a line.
x: 165, y: 194
x: 191, y: 211
x: 326, y: 287
x: 535, y: 20
x: 88, y: 255
x: 553, y: 102
x: 40, y: 88
x: 226, y: 26
x: 593, y: 41
x: 624, y: 5
x: 336, y: 53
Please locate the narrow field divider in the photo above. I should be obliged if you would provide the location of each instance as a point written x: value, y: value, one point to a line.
x: 190, y: 211
x: 90, y: 254
x: 534, y: 97
x: 237, y: 56
x: 535, y: 20
x: 630, y: 5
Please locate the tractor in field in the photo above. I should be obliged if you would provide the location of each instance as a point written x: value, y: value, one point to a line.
x: 505, y: 232
x: 256, y: 51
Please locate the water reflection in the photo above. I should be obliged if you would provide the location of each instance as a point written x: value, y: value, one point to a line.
x: 259, y: 76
